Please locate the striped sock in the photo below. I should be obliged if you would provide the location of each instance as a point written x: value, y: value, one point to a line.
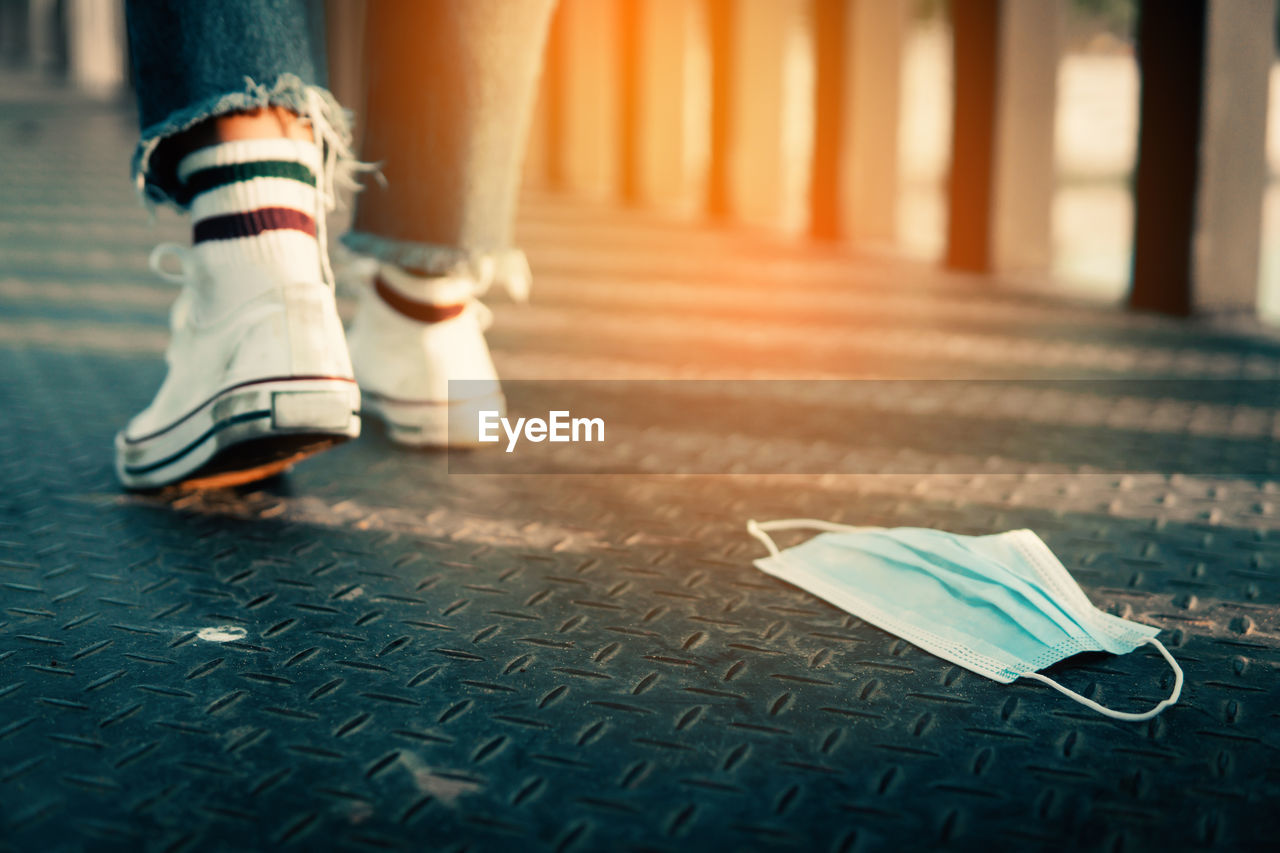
x: 253, y: 207
x: 422, y: 297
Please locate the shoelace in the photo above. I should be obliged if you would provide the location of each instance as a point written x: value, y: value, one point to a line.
x: 484, y: 314
x: 185, y: 307
x: 338, y: 166
x: 185, y: 257
x: 186, y: 277
x: 509, y: 270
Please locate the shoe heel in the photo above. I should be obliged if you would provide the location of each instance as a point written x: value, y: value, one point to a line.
x: 463, y: 427
x: 435, y: 425
x: 314, y: 327
x: 310, y: 410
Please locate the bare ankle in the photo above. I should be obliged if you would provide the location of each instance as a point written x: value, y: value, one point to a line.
x: 260, y: 123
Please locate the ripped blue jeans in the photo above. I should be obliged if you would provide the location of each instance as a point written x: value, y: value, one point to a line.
x: 449, y: 212
x: 196, y: 59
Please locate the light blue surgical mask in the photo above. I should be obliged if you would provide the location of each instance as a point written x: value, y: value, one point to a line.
x: 1002, y: 606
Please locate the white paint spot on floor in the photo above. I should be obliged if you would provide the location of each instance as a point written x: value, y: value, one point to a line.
x: 222, y: 634
x: 444, y: 788
x: 352, y: 594
x: 359, y: 813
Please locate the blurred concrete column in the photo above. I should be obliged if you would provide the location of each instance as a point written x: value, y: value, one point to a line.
x: 1233, y: 154
x: 14, y: 30
x: 588, y: 113
x: 1202, y: 167
x: 721, y: 18
x: 97, y: 47
x: 1031, y: 37
x: 1002, y: 165
x: 665, y: 102
x: 858, y: 47
x: 762, y: 112
x: 44, y: 41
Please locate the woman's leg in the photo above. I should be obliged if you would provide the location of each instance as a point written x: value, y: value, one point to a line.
x: 451, y: 85
x: 450, y: 89
x: 234, y: 130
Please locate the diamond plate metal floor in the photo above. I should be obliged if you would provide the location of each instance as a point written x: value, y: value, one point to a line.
x: 372, y: 654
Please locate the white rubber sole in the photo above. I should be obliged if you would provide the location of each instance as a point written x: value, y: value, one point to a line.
x: 434, y: 423
x: 243, y: 433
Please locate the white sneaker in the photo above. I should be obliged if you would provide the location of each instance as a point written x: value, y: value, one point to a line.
x: 410, y: 338
x: 259, y: 378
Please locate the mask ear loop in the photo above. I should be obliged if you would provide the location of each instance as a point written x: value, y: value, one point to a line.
x: 759, y: 531
x: 1123, y: 715
x: 758, y: 528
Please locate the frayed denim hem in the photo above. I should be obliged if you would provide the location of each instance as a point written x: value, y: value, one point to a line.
x: 288, y: 91
x: 506, y: 268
